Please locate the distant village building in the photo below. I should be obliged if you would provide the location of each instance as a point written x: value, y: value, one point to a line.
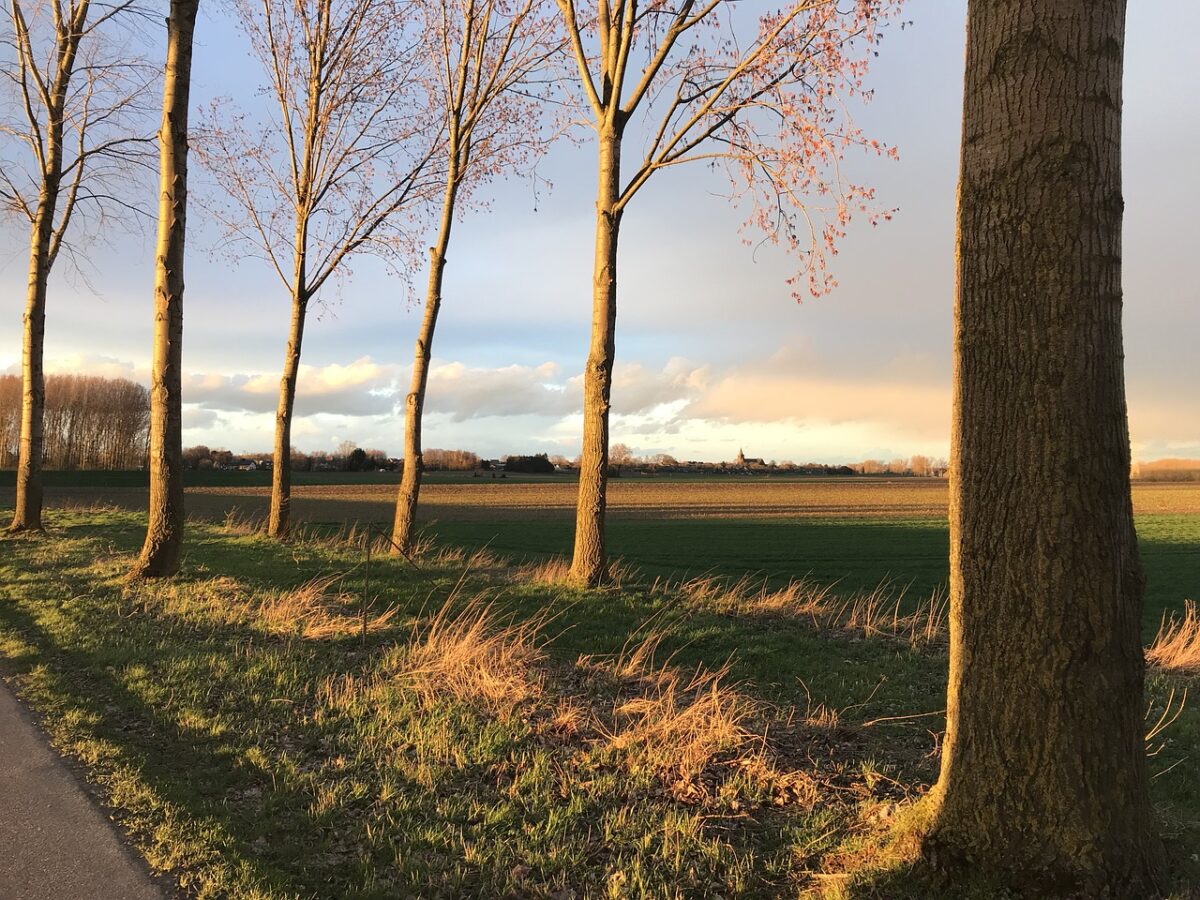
x: 742, y: 462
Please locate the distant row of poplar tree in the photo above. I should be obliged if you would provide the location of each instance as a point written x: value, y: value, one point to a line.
x: 91, y: 422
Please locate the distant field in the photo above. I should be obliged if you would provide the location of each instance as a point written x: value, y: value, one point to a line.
x: 352, y: 496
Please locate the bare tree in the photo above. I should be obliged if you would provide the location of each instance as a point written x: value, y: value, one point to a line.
x: 350, y: 147
x: 164, y: 531
x: 78, y: 126
x: 763, y: 97
x: 1043, y: 785
x: 489, y: 56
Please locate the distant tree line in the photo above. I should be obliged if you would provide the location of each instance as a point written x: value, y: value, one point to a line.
x: 348, y: 457
x: 538, y: 464
x: 922, y: 466
x: 1167, y: 470
x: 451, y: 460
x: 90, y: 422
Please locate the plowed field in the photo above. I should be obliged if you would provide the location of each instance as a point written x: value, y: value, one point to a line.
x: 498, y: 500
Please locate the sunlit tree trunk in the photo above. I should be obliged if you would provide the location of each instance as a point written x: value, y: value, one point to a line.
x: 28, y: 513
x: 279, y: 519
x: 414, y: 404
x: 589, y: 565
x: 1043, y: 781
x: 164, y: 534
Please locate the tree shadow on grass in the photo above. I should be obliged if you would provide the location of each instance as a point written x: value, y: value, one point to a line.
x: 208, y: 768
x: 152, y: 708
x: 241, y: 792
x: 229, y: 807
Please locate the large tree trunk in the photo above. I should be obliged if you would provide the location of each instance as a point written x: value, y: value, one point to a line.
x: 278, y: 521
x: 28, y: 513
x: 590, y: 562
x: 414, y: 404
x: 164, y: 535
x: 1043, y: 781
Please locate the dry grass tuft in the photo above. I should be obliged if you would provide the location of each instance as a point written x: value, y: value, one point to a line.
x: 877, y: 613
x: 1159, y: 721
x: 454, y: 557
x: 238, y: 521
x: 569, y: 718
x: 670, y: 722
x: 698, y: 735
x: 314, y: 611
x: 682, y: 723
x: 1176, y: 647
x: 423, y: 546
x: 635, y: 664
x: 801, y: 597
x: 556, y: 570
x: 821, y: 717
x: 552, y: 571
x: 476, y: 655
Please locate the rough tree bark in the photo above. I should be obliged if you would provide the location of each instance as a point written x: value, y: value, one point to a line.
x: 589, y: 564
x: 1043, y: 783
x: 414, y: 403
x: 164, y: 534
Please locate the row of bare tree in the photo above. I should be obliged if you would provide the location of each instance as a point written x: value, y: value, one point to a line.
x: 90, y: 422
x: 387, y: 117
x: 387, y: 114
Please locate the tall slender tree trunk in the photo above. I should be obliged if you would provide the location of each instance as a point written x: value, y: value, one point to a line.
x: 27, y: 515
x: 1043, y: 782
x: 164, y: 534
x: 279, y: 519
x: 414, y: 403
x: 590, y: 562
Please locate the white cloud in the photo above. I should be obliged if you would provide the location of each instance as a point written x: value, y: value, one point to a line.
x: 360, y: 388
x: 90, y: 364
x: 791, y: 404
x: 200, y: 420
x: 462, y: 392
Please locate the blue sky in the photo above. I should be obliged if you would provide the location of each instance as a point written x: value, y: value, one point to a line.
x: 713, y: 354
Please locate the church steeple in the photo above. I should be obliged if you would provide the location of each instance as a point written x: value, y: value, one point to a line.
x: 741, y: 458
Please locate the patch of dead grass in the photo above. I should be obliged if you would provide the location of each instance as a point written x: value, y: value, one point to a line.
x: 315, y: 611
x: 475, y: 654
x: 696, y: 733
x: 882, y: 612
x: 556, y: 571
x: 680, y: 723
x: 455, y: 557
x: 1176, y: 647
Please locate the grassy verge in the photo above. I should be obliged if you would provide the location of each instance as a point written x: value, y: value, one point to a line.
x: 263, y: 731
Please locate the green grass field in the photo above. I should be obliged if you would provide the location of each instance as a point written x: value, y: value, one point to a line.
x: 255, y: 744
x: 855, y: 554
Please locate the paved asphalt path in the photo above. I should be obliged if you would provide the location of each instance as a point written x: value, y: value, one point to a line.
x: 55, y: 843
